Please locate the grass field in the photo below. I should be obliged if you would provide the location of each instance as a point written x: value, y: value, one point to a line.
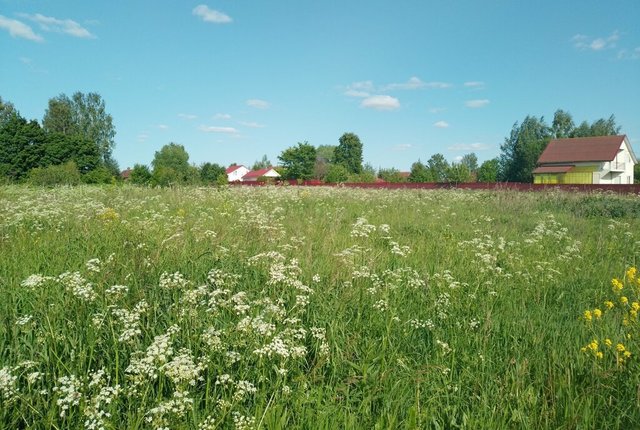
x: 316, y: 308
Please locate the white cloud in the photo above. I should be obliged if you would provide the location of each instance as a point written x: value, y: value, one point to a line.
x: 258, y: 104
x: 438, y: 85
x: 251, y: 124
x: 441, y: 124
x: 214, y: 129
x: 469, y: 147
x: 583, y: 42
x: 187, y: 116
x: 19, y: 29
x: 66, y: 26
x: 475, y: 104
x: 163, y: 126
x: 222, y: 116
x: 359, y: 89
x: 142, y: 137
x: 415, y: 83
x: 474, y: 84
x: 210, y: 15
x: 437, y: 110
x: 458, y: 158
x: 381, y: 102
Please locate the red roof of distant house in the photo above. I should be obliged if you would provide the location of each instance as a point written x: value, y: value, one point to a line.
x: 603, y: 148
x: 553, y: 169
x: 232, y: 169
x: 257, y: 173
x: 404, y: 174
x: 125, y: 174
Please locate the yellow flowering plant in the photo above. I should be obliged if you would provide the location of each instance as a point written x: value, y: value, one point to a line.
x: 618, y: 321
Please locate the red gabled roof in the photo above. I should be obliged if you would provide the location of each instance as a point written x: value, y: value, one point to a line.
x: 232, y: 169
x: 257, y: 173
x: 580, y: 149
x: 553, y: 169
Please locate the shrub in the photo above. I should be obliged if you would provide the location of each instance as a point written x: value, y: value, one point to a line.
x: 60, y: 174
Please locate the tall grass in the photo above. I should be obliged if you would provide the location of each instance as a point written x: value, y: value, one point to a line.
x: 310, y: 308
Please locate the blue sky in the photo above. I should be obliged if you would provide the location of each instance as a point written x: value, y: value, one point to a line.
x: 232, y: 80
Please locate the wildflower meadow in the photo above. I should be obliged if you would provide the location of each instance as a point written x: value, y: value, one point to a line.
x: 317, y: 308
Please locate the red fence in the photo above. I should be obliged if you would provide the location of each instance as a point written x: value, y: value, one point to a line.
x: 616, y: 188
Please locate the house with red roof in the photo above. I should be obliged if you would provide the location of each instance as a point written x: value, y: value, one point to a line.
x: 253, y: 175
x: 236, y: 172
x: 586, y: 160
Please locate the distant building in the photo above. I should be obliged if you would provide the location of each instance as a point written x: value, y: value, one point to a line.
x: 235, y: 173
x: 586, y: 160
x: 126, y: 174
x: 253, y: 176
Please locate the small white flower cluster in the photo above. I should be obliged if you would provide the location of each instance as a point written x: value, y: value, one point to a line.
x: 362, y: 229
x: 321, y: 335
x: 117, y: 291
x: 146, y: 367
x: 419, y: 324
x: 242, y: 422
x: 69, y: 389
x: 243, y: 389
x: 8, y: 385
x: 183, y: 370
x: 381, y: 305
x: 177, y: 406
x: 96, y: 405
x: 24, y: 320
x: 446, y: 349
x: 172, y: 281
x: 211, y: 337
x: 77, y: 286
x: 130, y: 320
x: 94, y: 265
x: 401, y: 251
x: 35, y: 281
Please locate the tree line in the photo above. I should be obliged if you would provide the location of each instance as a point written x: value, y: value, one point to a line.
x: 75, y: 140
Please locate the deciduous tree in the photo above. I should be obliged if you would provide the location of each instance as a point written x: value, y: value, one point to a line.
x: 299, y: 161
x: 349, y: 153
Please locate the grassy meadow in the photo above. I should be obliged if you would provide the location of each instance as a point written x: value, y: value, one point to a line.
x: 317, y: 308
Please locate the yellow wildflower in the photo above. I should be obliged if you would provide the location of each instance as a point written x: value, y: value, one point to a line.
x: 620, y: 347
x: 616, y: 285
x: 627, y: 354
x: 624, y: 300
x: 587, y: 315
x: 597, y: 313
x: 599, y: 355
x: 635, y: 306
x: 633, y: 314
x: 593, y: 346
x: 608, y: 304
x: 631, y: 273
x: 608, y: 342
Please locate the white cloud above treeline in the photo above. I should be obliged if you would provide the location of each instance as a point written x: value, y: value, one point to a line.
x: 207, y: 14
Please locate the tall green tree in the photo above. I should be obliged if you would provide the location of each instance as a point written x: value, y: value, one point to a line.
x: 140, y: 174
x: 471, y: 161
x: 521, y: 150
x: 349, y: 153
x: 83, y: 114
x: 488, y: 171
x: 420, y: 173
x: 263, y: 163
x: 7, y: 111
x: 298, y: 161
x: 458, y: 173
x: 211, y: 173
x: 563, y: 125
x: 171, y: 165
x: 439, y: 167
